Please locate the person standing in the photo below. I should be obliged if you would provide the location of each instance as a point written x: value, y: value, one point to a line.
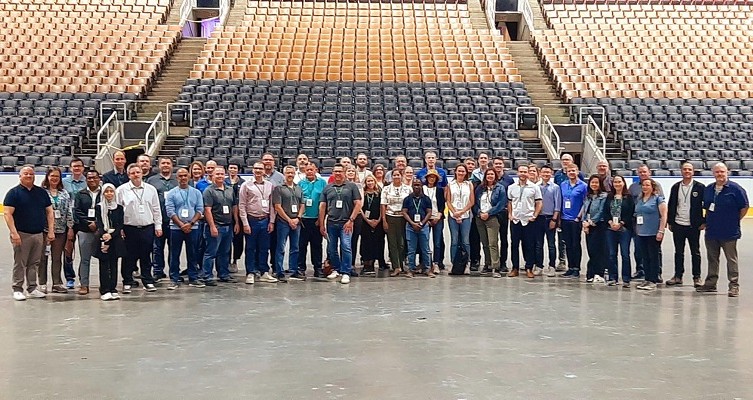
x: 566, y: 160
x: 372, y: 232
x: 498, y: 163
x: 400, y: 163
x: 392, y: 220
x: 142, y: 219
x: 686, y: 221
x: 483, y: 164
x: 595, y: 227
x: 109, y: 220
x: 163, y: 182
x: 459, y: 200
x: 84, y: 221
x: 636, y: 191
x: 436, y: 223
x: 28, y: 212
x: 276, y: 178
x: 524, y: 207
x: 551, y: 207
x: 235, y: 181
x: 726, y: 203
x: 491, y: 197
x: 362, y: 165
x: 340, y: 204
x: 145, y: 163
x: 430, y: 158
x: 184, y: 206
x: 257, y: 216
x: 417, y: 212
x: 62, y: 207
x: 602, y: 170
x: 620, y: 210
x: 650, y: 220
x: 73, y: 183
x: 118, y: 176
x: 301, y: 162
x: 220, y: 210
x: 574, y: 193
x: 287, y: 200
x: 351, y: 175
x: 312, y: 187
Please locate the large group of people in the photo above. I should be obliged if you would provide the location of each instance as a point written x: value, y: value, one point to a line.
x: 130, y: 215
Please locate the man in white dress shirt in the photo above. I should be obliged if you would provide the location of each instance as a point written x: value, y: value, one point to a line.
x: 523, y: 207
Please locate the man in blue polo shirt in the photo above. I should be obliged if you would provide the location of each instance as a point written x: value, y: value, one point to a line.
x: 726, y: 203
x: 28, y: 212
x: 431, y: 164
x: 574, y: 193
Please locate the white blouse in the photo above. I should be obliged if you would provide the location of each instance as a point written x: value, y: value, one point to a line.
x: 461, y: 195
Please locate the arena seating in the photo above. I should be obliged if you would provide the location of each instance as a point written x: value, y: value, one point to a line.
x: 675, y: 77
x: 337, y: 78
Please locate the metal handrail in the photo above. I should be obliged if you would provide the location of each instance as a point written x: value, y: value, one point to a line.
x: 599, y: 132
x: 105, y: 127
x: 595, y: 108
x: 545, y: 136
x: 224, y: 11
x: 152, y: 127
x: 111, y: 103
x: 185, y: 10
x: 527, y: 12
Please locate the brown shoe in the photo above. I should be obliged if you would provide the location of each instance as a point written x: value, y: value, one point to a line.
x: 430, y: 273
x: 529, y: 274
x: 513, y: 273
x: 59, y: 289
x: 697, y: 282
x: 409, y: 274
x: 734, y: 291
x: 395, y: 272
x: 83, y: 290
x: 674, y: 281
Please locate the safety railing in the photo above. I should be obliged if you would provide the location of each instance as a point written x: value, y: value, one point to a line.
x: 185, y: 10
x: 550, y: 139
x: 490, y: 9
x: 105, y: 145
x: 108, y: 129
x: 114, y: 105
x: 156, y: 127
x: 519, y: 110
x: 593, y: 130
x: 224, y: 10
x: 599, y: 110
x: 525, y: 8
x: 591, y: 155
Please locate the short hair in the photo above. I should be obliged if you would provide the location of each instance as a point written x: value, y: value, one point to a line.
x: 720, y: 165
x: 430, y: 152
x: 121, y: 152
x: 23, y: 167
x: 469, y: 159
x: 534, y: 166
x: 287, y: 167
x: 76, y: 159
x: 144, y: 155
x: 547, y: 166
x: 183, y: 169
x: 165, y: 158
x: 312, y: 164
x: 91, y: 171
x: 132, y: 165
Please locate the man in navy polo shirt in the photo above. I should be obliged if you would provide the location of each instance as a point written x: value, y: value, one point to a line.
x: 28, y: 212
x: 574, y: 193
x: 726, y: 203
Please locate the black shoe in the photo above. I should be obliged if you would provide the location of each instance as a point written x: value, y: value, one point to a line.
x: 568, y: 273
x: 210, y: 283
x: 504, y: 270
x: 705, y: 289
x: 181, y: 279
x: 297, y: 277
x: 281, y: 278
x: 159, y: 276
x: 639, y: 275
x: 486, y: 271
x: 184, y: 272
x: 353, y: 273
x: 229, y: 279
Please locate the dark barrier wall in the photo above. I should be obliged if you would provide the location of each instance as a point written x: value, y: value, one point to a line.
x: 507, y: 5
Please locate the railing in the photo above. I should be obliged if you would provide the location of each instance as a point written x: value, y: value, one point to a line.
x: 185, y: 10
x: 549, y: 138
x: 155, y: 128
x: 525, y: 8
x: 224, y: 10
x: 115, y: 106
x: 600, y: 110
x: 103, y: 159
x: 490, y: 9
x: 592, y: 129
x: 168, y: 113
x: 108, y: 128
x: 591, y: 156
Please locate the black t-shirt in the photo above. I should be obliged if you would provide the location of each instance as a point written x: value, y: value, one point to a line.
x: 30, y: 206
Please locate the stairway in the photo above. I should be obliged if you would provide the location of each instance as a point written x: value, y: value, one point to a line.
x: 539, y: 23
x: 477, y: 15
x: 173, y: 17
x: 237, y: 13
x: 168, y: 84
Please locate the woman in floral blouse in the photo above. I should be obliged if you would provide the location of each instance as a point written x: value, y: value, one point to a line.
x: 62, y: 206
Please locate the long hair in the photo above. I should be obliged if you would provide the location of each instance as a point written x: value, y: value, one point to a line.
x: 625, y: 191
x: 496, y: 178
x: 46, y: 181
x: 601, y: 184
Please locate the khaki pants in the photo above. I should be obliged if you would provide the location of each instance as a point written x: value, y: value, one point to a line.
x: 488, y: 232
x: 56, y: 255
x: 26, y: 258
x: 713, y: 251
x: 396, y: 241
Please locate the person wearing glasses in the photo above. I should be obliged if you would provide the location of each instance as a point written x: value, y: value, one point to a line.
x: 258, y: 218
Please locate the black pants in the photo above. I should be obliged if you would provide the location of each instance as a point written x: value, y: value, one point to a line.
x: 525, y: 236
x: 310, y: 235
x: 475, y: 242
x: 374, y: 240
x: 571, y: 231
x: 108, y: 271
x: 138, y: 243
x: 273, y: 251
x: 237, y: 245
x: 680, y: 234
x: 596, y: 245
x: 541, y: 234
x: 650, y: 254
x: 504, y: 245
x: 357, y: 227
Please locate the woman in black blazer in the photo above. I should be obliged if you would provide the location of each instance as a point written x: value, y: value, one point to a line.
x: 620, y: 210
x: 109, y: 220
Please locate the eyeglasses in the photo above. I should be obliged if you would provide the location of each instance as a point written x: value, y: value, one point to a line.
x: 258, y: 168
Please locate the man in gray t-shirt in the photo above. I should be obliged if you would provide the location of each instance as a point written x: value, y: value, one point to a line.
x: 220, y: 210
x: 340, y: 204
x: 288, y: 202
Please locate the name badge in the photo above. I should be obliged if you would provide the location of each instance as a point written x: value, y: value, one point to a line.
x: 711, y: 207
x: 568, y: 204
x: 639, y: 220
x: 226, y: 209
x: 141, y: 209
x: 339, y: 204
x: 57, y: 213
x: 367, y: 213
x: 616, y: 220
x: 294, y: 208
x: 588, y: 217
x: 309, y: 202
x: 416, y: 217
x: 164, y: 194
x: 265, y: 203
x: 91, y: 213
x: 184, y: 213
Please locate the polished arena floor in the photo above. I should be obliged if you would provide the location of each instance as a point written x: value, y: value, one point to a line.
x: 399, y: 338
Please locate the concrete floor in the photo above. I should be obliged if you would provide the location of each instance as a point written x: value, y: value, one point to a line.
x: 444, y: 338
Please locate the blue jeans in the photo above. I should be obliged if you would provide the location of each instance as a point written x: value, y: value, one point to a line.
x: 437, y: 236
x: 284, y: 232
x: 460, y: 234
x: 341, y: 261
x: 177, y: 238
x: 257, y: 247
x: 200, y: 248
x: 218, y: 250
x: 621, y: 239
x: 417, y: 241
x: 158, y: 252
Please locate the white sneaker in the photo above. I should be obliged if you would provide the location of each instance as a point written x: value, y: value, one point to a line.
x: 599, y: 279
x: 126, y: 289
x: 333, y: 275
x: 19, y: 296
x: 115, y: 296
x: 106, y: 297
x: 550, y: 272
x: 250, y: 279
x: 537, y: 271
x: 149, y: 287
x: 37, y: 294
x: 267, y: 278
x: 345, y: 279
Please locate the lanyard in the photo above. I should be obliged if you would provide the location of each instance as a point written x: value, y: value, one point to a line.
x: 184, y: 197
x: 370, y: 199
x: 261, y: 191
x: 417, y: 204
x: 293, y: 195
x: 685, y: 193
x: 338, y: 190
x: 140, y: 198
